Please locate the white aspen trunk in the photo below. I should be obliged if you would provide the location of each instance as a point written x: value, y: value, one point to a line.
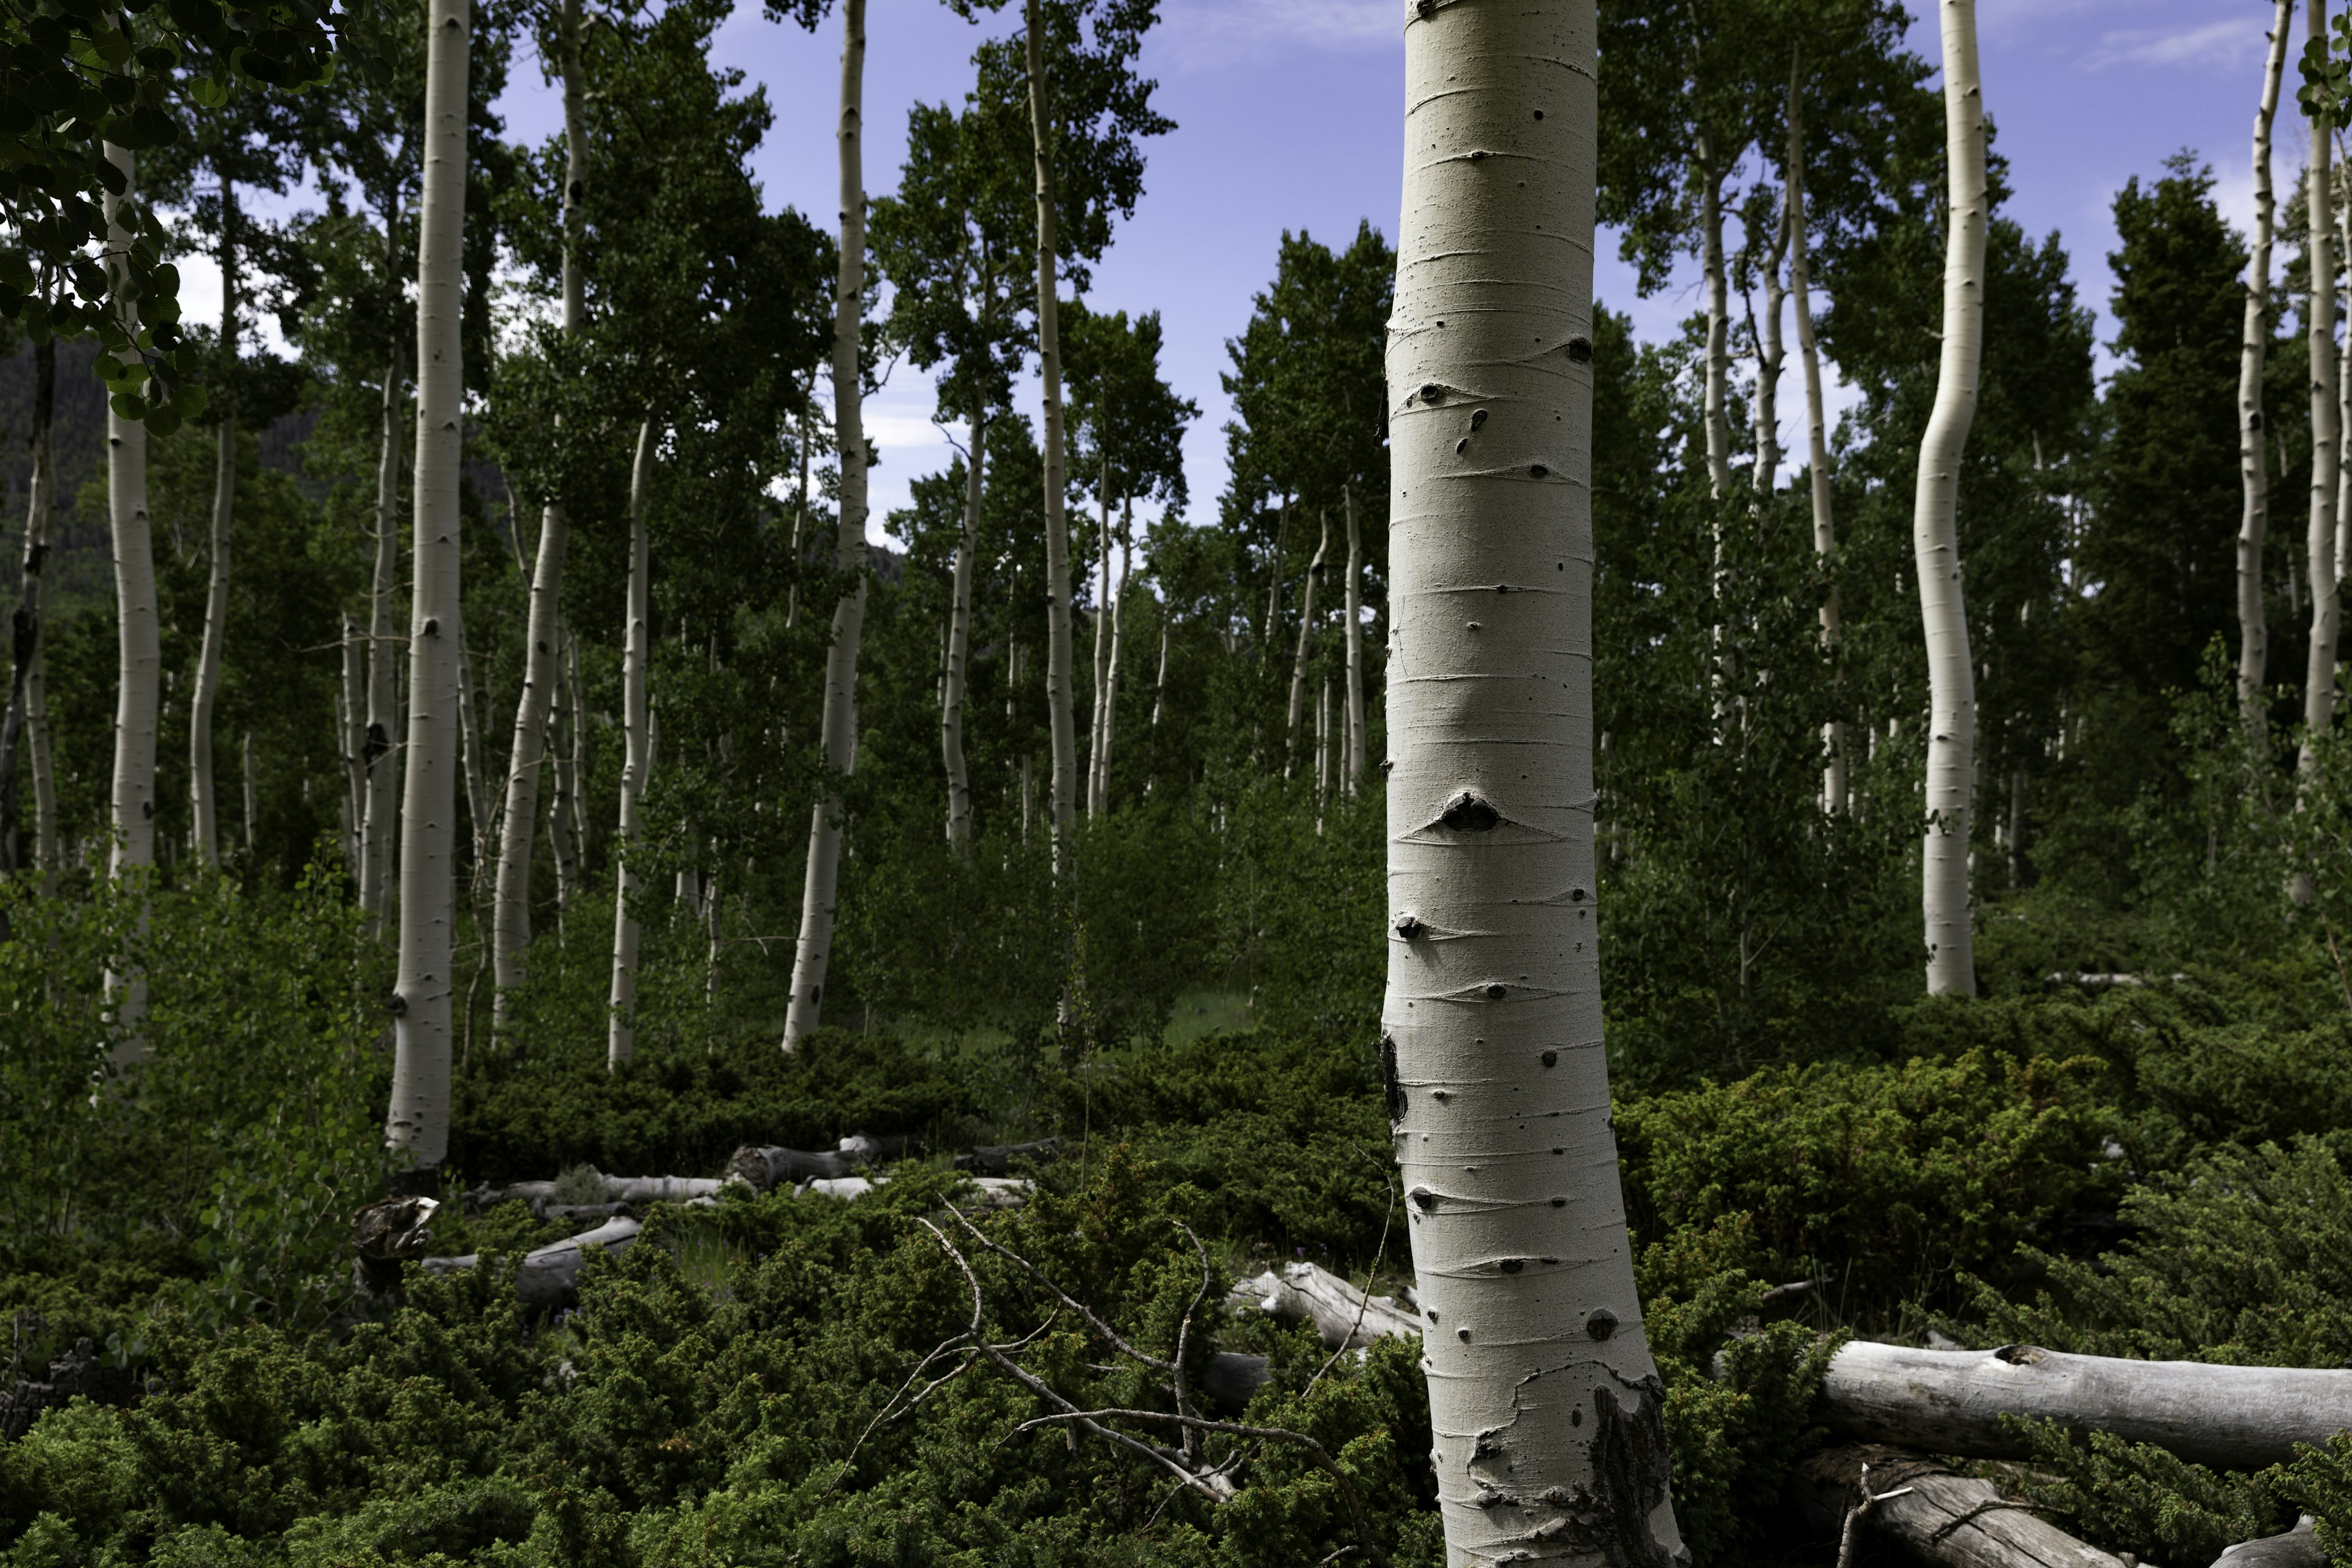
x: 813, y: 949
x: 416, y: 1124
x: 1059, y: 697
x: 42, y: 501
x: 568, y: 824
x: 250, y: 808
x: 1323, y: 742
x: 519, y: 825
x: 476, y: 763
x: 636, y: 650
x: 1117, y: 640
x: 1836, y: 788
x: 380, y: 821
x: 800, y: 512
x: 131, y: 814
x: 1718, y: 317
x: 960, y: 644
x: 354, y: 743
x: 1160, y: 681
x: 1274, y: 588
x: 1770, y: 354
x: 1305, y: 644
x: 1951, y: 675
x: 1546, y: 1408
x: 2319, y: 671
x: 2343, y: 545
x: 1102, y: 647
x: 203, y: 795
x: 1351, y: 774
x: 2254, y: 524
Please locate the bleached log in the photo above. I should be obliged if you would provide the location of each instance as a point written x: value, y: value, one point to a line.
x: 2296, y: 1547
x: 1304, y: 1291
x: 1951, y: 1402
x: 635, y: 1190
x: 1935, y: 1514
x: 995, y: 1192
x: 761, y: 1167
x: 549, y: 1276
x: 996, y: 1158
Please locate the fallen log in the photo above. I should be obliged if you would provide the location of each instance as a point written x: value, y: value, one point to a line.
x: 761, y: 1168
x: 1340, y: 1313
x: 1934, y: 1513
x: 996, y: 1158
x: 549, y: 1276
x: 995, y: 1191
x: 1951, y: 1402
x: 618, y: 1190
x: 2296, y: 1547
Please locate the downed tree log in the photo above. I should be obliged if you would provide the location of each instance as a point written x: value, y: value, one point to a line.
x: 996, y: 1158
x: 1934, y: 1513
x: 1341, y: 1315
x: 761, y: 1168
x: 2296, y: 1547
x: 995, y: 1191
x: 1951, y: 1402
x: 549, y: 1276
x: 618, y: 1190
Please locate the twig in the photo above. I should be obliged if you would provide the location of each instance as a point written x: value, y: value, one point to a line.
x: 1316, y: 1451
x: 1105, y: 1330
x: 1183, y: 1335
x: 1365, y: 1304
x: 2343, y: 978
x: 1852, y: 1530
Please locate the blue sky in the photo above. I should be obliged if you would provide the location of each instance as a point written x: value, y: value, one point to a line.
x: 1289, y: 114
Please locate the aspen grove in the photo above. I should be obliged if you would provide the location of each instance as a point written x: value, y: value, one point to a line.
x: 1663, y: 878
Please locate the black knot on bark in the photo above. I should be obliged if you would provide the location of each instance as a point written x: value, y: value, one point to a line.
x: 1559, y: 1203
x: 1433, y: 392
x: 1424, y: 1199
x: 147, y: 809
x: 397, y: 1004
x: 1466, y: 813
x: 1512, y: 1265
x: 1601, y: 1323
x: 1497, y: 991
x: 1536, y: 470
x: 432, y: 628
x: 1477, y: 418
x: 1579, y: 349
x: 1576, y: 895
x: 1552, y: 1058
x: 1410, y: 926
x: 1461, y: 446
x: 1423, y: 7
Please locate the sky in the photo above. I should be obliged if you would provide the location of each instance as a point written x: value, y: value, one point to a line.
x: 1289, y: 116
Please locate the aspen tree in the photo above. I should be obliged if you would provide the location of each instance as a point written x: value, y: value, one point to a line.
x: 1546, y: 1407
x: 518, y: 828
x: 377, y: 829
x: 417, y: 1125
x: 1109, y: 728
x: 814, y: 948
x: 2319, y: 671
x: 1836, y: 789
x: 563, y: 824
x: 1305, y: 643
x: 2253, y: 523
x: 203, y: 795
x: 140, y: 659
x: 1102, y: 641
x: 40, y: 501
x: 960, y: 644
x: 1711, y: 170
x: 353, y: 736
x: 1951, y: 673
x: 1771, y: 355
x: 1059, y: 694
x: 636, y: 649
x: 1351, y: 767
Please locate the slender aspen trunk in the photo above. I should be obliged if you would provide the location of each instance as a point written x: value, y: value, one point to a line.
x: 250, y: 811
x: 416, y: 1124
x: 474, y: 767
x: 42, y: 501
x: 1951, y: 674
x: 814, y: 948
x: 132, y: 815
x: 636, y: 649
x: 1109, y: 727
x: 1306, y: 646
x: 800, y: 512
x: 1102, y: 647
x: 518, y: 827
x: 1274, y: 588
x: 562, y: 838
x: 355, y: 747
x: 1546, y: 1406
x: 1160, y: 681
x: 383, y: 698
x: 1323, y: 742
x: 960, y: 644
x: 203, y: 795
x: 1059, y: 704
x: 1837, y: 790
x: 1351, y: 772
x: 2326, y: 436
x: 1719, y: 317
x: 1771, y: 354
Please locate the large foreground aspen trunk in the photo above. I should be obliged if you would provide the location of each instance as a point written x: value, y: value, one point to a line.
x: 2253, y: 523
x: 138, y: 639
x: 1059, y: 696
x: 416, y: 1124
x: 2319, y: 670
x: 1935, y: 526
x: 1546, y: 1406
x: 814, y: 948
x: 636, y: 720
x: 542, y: 637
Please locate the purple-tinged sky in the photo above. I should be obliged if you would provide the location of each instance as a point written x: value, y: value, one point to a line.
x: 1289, y: 115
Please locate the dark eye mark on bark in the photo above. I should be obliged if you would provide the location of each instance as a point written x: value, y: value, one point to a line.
x: 1390, y: 1084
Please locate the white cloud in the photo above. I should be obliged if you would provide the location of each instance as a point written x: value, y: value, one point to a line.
x: 1211, y: 33
x: 2214, y: 44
